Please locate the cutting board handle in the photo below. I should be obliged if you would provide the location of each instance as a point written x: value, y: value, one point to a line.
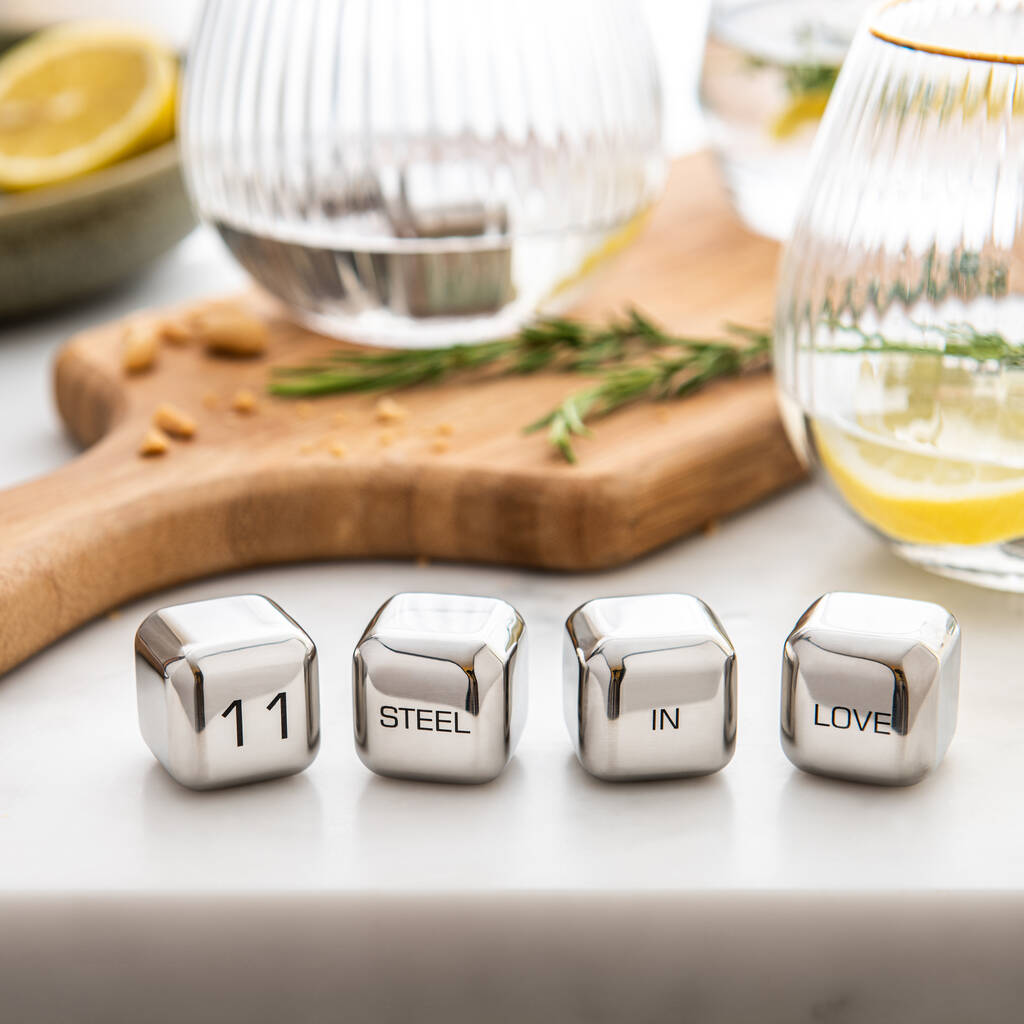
x: 60, y: 538
x: 66, y: 538
x: 109, y: 527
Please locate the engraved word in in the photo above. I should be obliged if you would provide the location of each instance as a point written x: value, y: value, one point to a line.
x: 660, y: 717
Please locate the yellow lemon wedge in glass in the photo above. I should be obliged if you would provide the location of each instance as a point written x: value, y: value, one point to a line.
x: 914, y: 494
x: 618, y: 240
x: 800, y: 111
x: 79, y: 97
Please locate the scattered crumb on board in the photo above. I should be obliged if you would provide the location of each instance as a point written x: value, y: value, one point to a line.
x: 175, y: 331
x: 174, y: 421
x: 244, y: 401
x: 139, y: 346
x: 154, y: 442
x: 225, y: 329
x: 387, y: 410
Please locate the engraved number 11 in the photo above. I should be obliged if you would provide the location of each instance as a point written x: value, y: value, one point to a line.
x: 236, y: 707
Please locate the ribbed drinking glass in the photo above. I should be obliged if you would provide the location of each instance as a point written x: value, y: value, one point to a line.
x: 769, y: 67
x: 900, y: 320
x: 416, y: 172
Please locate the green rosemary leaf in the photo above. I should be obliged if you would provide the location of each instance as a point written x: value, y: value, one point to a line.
x: 560, y: 436
x: 800, y: 78
x: 959, y: 340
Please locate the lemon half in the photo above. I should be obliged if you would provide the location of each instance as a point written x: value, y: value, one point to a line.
x: 78, y: 97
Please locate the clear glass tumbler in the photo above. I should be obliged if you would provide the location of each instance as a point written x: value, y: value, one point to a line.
x: 769, y: 68
x: 417, y: 172
x: 900, y: 317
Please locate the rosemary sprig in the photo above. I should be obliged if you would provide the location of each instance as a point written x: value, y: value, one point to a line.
x: 632, y: 356
x: 550, y: 343
x: 662, y: 376
x: 801, y: 79
x: 806, y: 79
x: 959, y: 340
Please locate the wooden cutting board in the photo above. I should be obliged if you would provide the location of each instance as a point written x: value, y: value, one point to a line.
x: 247, y: 490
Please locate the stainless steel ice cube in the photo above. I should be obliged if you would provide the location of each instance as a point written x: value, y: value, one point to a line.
x: 870, y: 687
x: 649, y: 687
x: 227, y: 691
x: 439, y: 687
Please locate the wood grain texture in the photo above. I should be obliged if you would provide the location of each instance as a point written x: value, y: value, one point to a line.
x: 246, y: 491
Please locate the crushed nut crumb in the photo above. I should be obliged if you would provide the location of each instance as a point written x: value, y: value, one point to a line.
x: 244, y: 402
x: 154, y: 442
x: 337, y: 449
x: 139, y: 346
x: 172, y: 420
x: 439, y: 446
x: 387, y: 437
x: 340, y: 419
x: 175, y: 331
x: 387, y: 410
x: 445, y: 429
x: 228, y: 330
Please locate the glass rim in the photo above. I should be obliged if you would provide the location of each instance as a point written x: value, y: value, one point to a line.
x: 923, y: 47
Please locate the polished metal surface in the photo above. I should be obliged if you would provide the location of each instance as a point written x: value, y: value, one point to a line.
x: 649, y: 687
x: 439, y: 687
x: 870, y: 687
x: 227, y: 691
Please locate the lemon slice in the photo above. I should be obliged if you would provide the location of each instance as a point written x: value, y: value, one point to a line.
x: 79, y: 97
x: 801, y: 110
x: 619, y: 239
x: 921, y: 497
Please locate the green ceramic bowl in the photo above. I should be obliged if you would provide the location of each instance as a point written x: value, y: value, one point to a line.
x: 68, y: 241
